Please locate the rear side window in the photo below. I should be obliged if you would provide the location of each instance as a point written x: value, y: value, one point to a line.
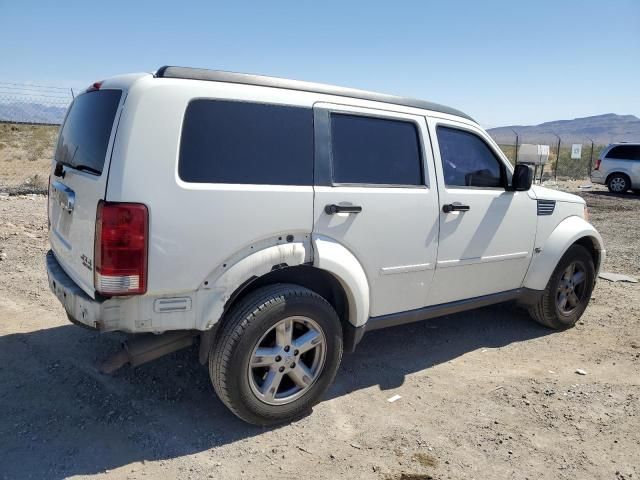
x: 242, y: 142
x: 377, y: 151
x: 467, y: 161
x: 625, y: 152
x: 84, y: 137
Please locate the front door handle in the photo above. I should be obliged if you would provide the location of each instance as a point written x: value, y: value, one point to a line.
x: 331, y: 209
x: 455, y: 207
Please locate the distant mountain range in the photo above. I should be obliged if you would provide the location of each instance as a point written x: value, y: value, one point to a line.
x: 603, y: 129
x: 32, y: 112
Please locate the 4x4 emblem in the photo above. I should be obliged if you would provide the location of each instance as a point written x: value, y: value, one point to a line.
x: 86, y: 261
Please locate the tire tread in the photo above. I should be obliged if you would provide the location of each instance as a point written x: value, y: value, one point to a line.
x: 544, y: 311
x: 236, y: 322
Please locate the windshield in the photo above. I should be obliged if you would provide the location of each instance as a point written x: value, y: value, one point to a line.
x: 85, y: 135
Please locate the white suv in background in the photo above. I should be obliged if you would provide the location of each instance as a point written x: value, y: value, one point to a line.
x: 618, y: 167
x: 276, y: 221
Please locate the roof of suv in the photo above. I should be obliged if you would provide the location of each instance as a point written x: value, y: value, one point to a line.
x: 275, y: 82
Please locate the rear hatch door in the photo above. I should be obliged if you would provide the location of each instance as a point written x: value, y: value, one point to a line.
x: 79, y: 182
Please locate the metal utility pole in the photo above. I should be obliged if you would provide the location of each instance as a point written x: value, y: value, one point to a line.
x: 557, y: 158
x: 517, y: 138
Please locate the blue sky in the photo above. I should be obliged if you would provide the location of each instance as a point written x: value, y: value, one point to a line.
x: 511, y: 62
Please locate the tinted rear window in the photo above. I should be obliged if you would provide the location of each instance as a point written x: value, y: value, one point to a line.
x: 375, y: 151
x: 242, y: 142
x: 84, y: 138
x: 625, y: 152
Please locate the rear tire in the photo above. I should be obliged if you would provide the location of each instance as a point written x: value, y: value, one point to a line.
x: 618, y: 183
x: 276, y: 353
x: 568, y: 291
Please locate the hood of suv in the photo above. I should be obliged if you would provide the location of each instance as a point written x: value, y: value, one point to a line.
x: 543, y: 193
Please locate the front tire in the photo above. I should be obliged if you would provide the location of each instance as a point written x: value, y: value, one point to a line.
x: 568, y: 291
x: 277, y: 352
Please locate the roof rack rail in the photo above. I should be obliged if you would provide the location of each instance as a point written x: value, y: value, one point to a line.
x: 275, y: 82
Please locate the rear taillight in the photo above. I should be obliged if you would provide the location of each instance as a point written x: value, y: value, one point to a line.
x: 597, y: 167
x: 121, y: 248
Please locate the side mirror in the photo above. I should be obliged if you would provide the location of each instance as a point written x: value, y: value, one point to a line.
x: 522, y: 178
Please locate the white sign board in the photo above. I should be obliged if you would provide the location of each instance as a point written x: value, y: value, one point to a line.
x: 576, y: 151
x: 543, y: 152
x: 533, y: 154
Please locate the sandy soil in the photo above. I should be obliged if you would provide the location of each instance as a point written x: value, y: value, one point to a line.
x: 486, y: 394
x: 25, y: 156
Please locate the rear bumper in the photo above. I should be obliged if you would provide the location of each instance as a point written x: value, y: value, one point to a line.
x: 134, y: 314
x: 597, y: 177
x: 79, y: 306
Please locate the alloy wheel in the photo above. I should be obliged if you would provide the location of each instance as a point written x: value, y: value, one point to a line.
x: 571, y: 288
x: 287, y: 360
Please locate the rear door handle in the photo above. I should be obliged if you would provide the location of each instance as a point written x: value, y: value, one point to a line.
x: 332, y: 209
x: 455, y: 207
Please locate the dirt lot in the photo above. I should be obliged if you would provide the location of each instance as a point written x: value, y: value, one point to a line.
x: 485, y: 394
x: 25, y: 157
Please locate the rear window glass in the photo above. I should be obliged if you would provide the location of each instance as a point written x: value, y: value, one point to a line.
x: 84, y: 138
x: 625, y: 152
x: 375, y: 151
x: 243, y: 142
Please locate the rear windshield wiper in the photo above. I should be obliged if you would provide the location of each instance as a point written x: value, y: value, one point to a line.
x: 59, y: 170
x: 86, y: 168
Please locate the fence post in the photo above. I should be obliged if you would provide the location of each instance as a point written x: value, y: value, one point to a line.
x: 590, y: 159
x: 557, y: 159
x: 516, y: 154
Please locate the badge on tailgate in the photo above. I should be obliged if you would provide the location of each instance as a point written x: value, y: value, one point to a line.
x: 86, y: 262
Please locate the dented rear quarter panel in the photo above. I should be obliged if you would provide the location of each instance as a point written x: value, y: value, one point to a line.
x: 194, y: 228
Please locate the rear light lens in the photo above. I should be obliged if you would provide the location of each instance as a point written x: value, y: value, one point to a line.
x: 120, y: 258
x: 597, y: 167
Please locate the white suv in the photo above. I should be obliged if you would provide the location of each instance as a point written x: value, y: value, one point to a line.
x: 618, y: 167
x: 275, y: 221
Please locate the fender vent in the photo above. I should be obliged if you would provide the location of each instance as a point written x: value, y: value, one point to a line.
x: 546, y: 207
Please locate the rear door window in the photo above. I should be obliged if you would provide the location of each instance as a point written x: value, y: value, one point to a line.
x: 625, y: 152
x: 375, y: 151
x: 84, y: 137
x: 246, y: 143
x: 467, y: 161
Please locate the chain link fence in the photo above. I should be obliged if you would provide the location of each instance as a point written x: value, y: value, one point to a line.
x: 30, y: 116
x: 562, y: 167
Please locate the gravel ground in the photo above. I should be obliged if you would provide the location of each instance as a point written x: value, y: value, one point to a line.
x: 484, y: 394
